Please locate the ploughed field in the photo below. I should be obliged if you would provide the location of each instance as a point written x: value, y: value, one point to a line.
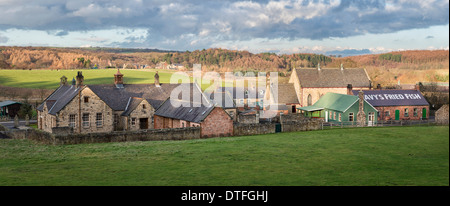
x: 350, y: 156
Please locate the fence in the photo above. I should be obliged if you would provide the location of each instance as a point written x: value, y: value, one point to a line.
x: 388, y: 123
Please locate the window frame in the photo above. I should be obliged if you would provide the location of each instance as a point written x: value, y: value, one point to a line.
x: 86, y: 123
x: 99, y: 121
x: 74, y: 122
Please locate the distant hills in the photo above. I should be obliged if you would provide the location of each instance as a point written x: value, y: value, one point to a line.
x: 388, y: 68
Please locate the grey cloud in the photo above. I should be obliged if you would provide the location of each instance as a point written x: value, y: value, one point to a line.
x: 199, y: 23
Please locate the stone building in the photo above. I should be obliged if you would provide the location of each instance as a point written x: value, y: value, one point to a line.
x: 311, y: 84
x: 442, y: 115
x: 102, y: 108
x: 397, y: 104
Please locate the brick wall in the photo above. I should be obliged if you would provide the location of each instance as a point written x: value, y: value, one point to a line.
x: 382, y: 111
x: 217, y: 124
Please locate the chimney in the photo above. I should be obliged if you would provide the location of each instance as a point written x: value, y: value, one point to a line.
x: 378, y: 86
x: 63, y: 80
x: 80, y: 79
x: 349, y: 89
x: 361, y: 116
x: 118, y: 78
x: 157, y: 80
x: 417, y: 87
x: 74, y: 82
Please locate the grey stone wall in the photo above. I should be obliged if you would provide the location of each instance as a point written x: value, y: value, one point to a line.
x: 248, y: 119
x: 441, y: 115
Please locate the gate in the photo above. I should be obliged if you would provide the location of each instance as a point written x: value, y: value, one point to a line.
x: 278, y: 128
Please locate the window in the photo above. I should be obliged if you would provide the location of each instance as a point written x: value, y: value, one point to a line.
x: 85, y: 120
x: 86, y: 99
x: 387, y: 113
x: 72, y: 120
x: 99, y: 120
x: 133, y: 121
x: 116, y: 118
x: 144, y: 107
x: 331, y: 115
x: 334, y: 115
x: 416, y: 112
x: 182, y: 124
x: 351, y: 116
x: 406, y: 112
x: 310, y: 100
x: 340, y: 119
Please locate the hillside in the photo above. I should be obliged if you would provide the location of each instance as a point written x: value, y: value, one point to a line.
x: 406, y: 66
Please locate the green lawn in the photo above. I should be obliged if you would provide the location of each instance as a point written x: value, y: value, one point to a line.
x: 353, y: 156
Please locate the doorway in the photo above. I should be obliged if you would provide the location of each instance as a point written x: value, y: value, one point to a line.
x: 397, y: 114
x: 424, y: 113
x: 143, y: 123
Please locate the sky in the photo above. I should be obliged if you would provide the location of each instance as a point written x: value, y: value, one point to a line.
x: 279, y: 26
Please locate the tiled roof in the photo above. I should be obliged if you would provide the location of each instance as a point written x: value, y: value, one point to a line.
x: 333, y: 77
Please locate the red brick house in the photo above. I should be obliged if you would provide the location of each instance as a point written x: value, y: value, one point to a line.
x: 398, y: 104
x: 213, y: 120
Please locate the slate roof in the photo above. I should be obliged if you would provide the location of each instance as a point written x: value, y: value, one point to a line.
x: 133, y: 102
x: 226, y: 101
x: 8, y: 102
x: 381, y: 98
x: 117, y: 98
x: 333, y: 77
x: 194, y: 110
x: 239, y: 92
x: 285, y: 92
x: 59, y: 98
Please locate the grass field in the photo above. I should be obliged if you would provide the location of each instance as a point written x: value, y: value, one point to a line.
x: 355, y: 156
x: 49, y: 79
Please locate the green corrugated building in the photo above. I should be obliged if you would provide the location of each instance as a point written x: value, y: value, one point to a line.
x: 333, y: 107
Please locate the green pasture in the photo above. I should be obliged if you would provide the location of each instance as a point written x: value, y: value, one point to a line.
x: 49, y: 79
x: 387, y: 156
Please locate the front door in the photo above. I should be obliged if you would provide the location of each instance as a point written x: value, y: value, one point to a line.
x: 143, y: 123
x: 424, y: 113
x: 371, y: 118
x: 397, y: 114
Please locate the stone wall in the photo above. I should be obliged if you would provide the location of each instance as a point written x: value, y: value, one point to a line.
x: 122, y: 136
x: 306, y: 125
x: 253, y: 129
x: 442, y: 115
x: 293, y: 117
x: 248, y: 119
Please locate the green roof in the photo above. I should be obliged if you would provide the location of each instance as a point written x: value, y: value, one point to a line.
x: 333, y: 101
x: 311, y: 108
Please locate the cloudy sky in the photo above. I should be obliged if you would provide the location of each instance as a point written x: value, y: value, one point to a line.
x: 283, y: 26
